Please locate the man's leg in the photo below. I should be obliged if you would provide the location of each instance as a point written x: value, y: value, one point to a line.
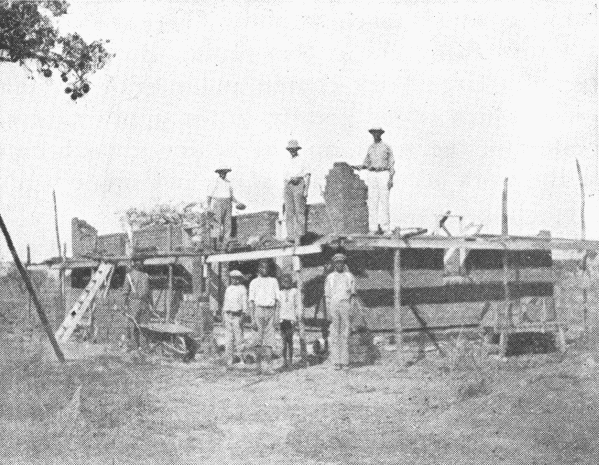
x: 289, y: 211
x: 229, y: 338
x: 344, y: 331
x: 383, y: 212
x: 299, y: 201
x: 373, y: 222
x: 334, y: 333
x: 227, y: 219
x: 269, y: 337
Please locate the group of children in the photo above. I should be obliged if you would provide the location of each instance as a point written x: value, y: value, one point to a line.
x: 268, y: 305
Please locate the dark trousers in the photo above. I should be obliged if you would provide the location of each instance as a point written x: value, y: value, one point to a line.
x: 287, y: 335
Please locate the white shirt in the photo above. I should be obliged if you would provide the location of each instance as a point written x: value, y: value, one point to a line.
x: 222, y: 189
x: 290, y: 304
x: 380, y: 156
x: 236, y: 299
x: 264, y: 292
x: 339, y: 286
x: 294, y: 167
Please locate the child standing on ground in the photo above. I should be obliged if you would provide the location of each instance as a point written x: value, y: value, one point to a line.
x: 235, y: 305
x: 289, y: 316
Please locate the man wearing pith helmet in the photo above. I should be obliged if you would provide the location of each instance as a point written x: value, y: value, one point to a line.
x: 295, y: 191
x: 380, y: 164
x: 339, y: 291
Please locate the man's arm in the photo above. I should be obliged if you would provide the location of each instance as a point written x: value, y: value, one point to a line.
x: 367, y: 161
x: 327, y: 292
x: 391, y: 164
x: 306, y: 184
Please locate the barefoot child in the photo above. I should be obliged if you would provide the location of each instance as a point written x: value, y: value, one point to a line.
x: 289, y: 316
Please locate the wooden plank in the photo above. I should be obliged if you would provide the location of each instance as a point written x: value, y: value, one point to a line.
x: 478, y: 243
x: 260, y: 254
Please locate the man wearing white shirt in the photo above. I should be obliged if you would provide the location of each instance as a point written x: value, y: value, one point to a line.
x: 339, y: 291
x: 380, y: 164
x: 220, y: 202
x: 297, y: 183
x: 264, y: 299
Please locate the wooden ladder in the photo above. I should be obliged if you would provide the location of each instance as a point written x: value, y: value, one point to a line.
x: 98, y: 279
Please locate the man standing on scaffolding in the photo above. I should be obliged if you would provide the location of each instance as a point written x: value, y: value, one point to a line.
x: 297, y: 183
x: 220, y: 203
x: 380, y: 164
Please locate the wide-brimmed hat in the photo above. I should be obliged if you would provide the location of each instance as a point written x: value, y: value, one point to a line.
x: 236, y: 274
x: 339, y: 257
x: 222, y: 170
x: 293, y: 145
x: 378, y: 129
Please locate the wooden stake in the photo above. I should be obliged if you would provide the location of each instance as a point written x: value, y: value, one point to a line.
x: 504, y: 222
x: 29, y: 285
x: 397, y: 303
x: 56, y: 224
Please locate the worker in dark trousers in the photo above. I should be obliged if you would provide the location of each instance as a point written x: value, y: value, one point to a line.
x: 138, y: 296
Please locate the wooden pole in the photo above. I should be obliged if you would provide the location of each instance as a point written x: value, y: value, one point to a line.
x: 29, y: 285
x: 169, y: 293
x: 29, y: 298
x: 56, y: 224
x: 583, y: 265
x: 504, y: 222
x: 397, y: 303
x: 506, y: 271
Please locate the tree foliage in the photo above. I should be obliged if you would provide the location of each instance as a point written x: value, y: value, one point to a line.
x: 30, y: 37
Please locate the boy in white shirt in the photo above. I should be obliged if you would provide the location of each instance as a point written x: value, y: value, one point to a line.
x: 289, y: 316
x: 234, y: 306
x: 264, y: 299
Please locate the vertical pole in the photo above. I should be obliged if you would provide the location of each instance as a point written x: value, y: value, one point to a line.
x: 397, y: 302
x: 29, y: 297
x: 169, y: 293
x: 584, y: 264
x: 29, y: 285
x: 300, y: 289
x: 56, y: 224
x: 507, y: 321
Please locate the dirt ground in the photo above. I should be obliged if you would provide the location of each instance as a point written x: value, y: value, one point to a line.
x: 541, y: 409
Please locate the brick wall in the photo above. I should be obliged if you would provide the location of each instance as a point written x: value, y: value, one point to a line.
x: 112, y: 244
x: 83, y: 237
x: 346, y: 198
x: 255, y: 224
x: 162, y: 238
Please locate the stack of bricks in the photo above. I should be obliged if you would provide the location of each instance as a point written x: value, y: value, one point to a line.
x: 255, y: 225
x: 318, y: 220
x: 112, y: 244
x: 83, y: 237
x: 346, y: 198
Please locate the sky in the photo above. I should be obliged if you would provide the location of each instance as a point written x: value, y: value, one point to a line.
x: 468, y: 92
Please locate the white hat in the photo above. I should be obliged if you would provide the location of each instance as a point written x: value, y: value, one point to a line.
x: 236, y: 274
